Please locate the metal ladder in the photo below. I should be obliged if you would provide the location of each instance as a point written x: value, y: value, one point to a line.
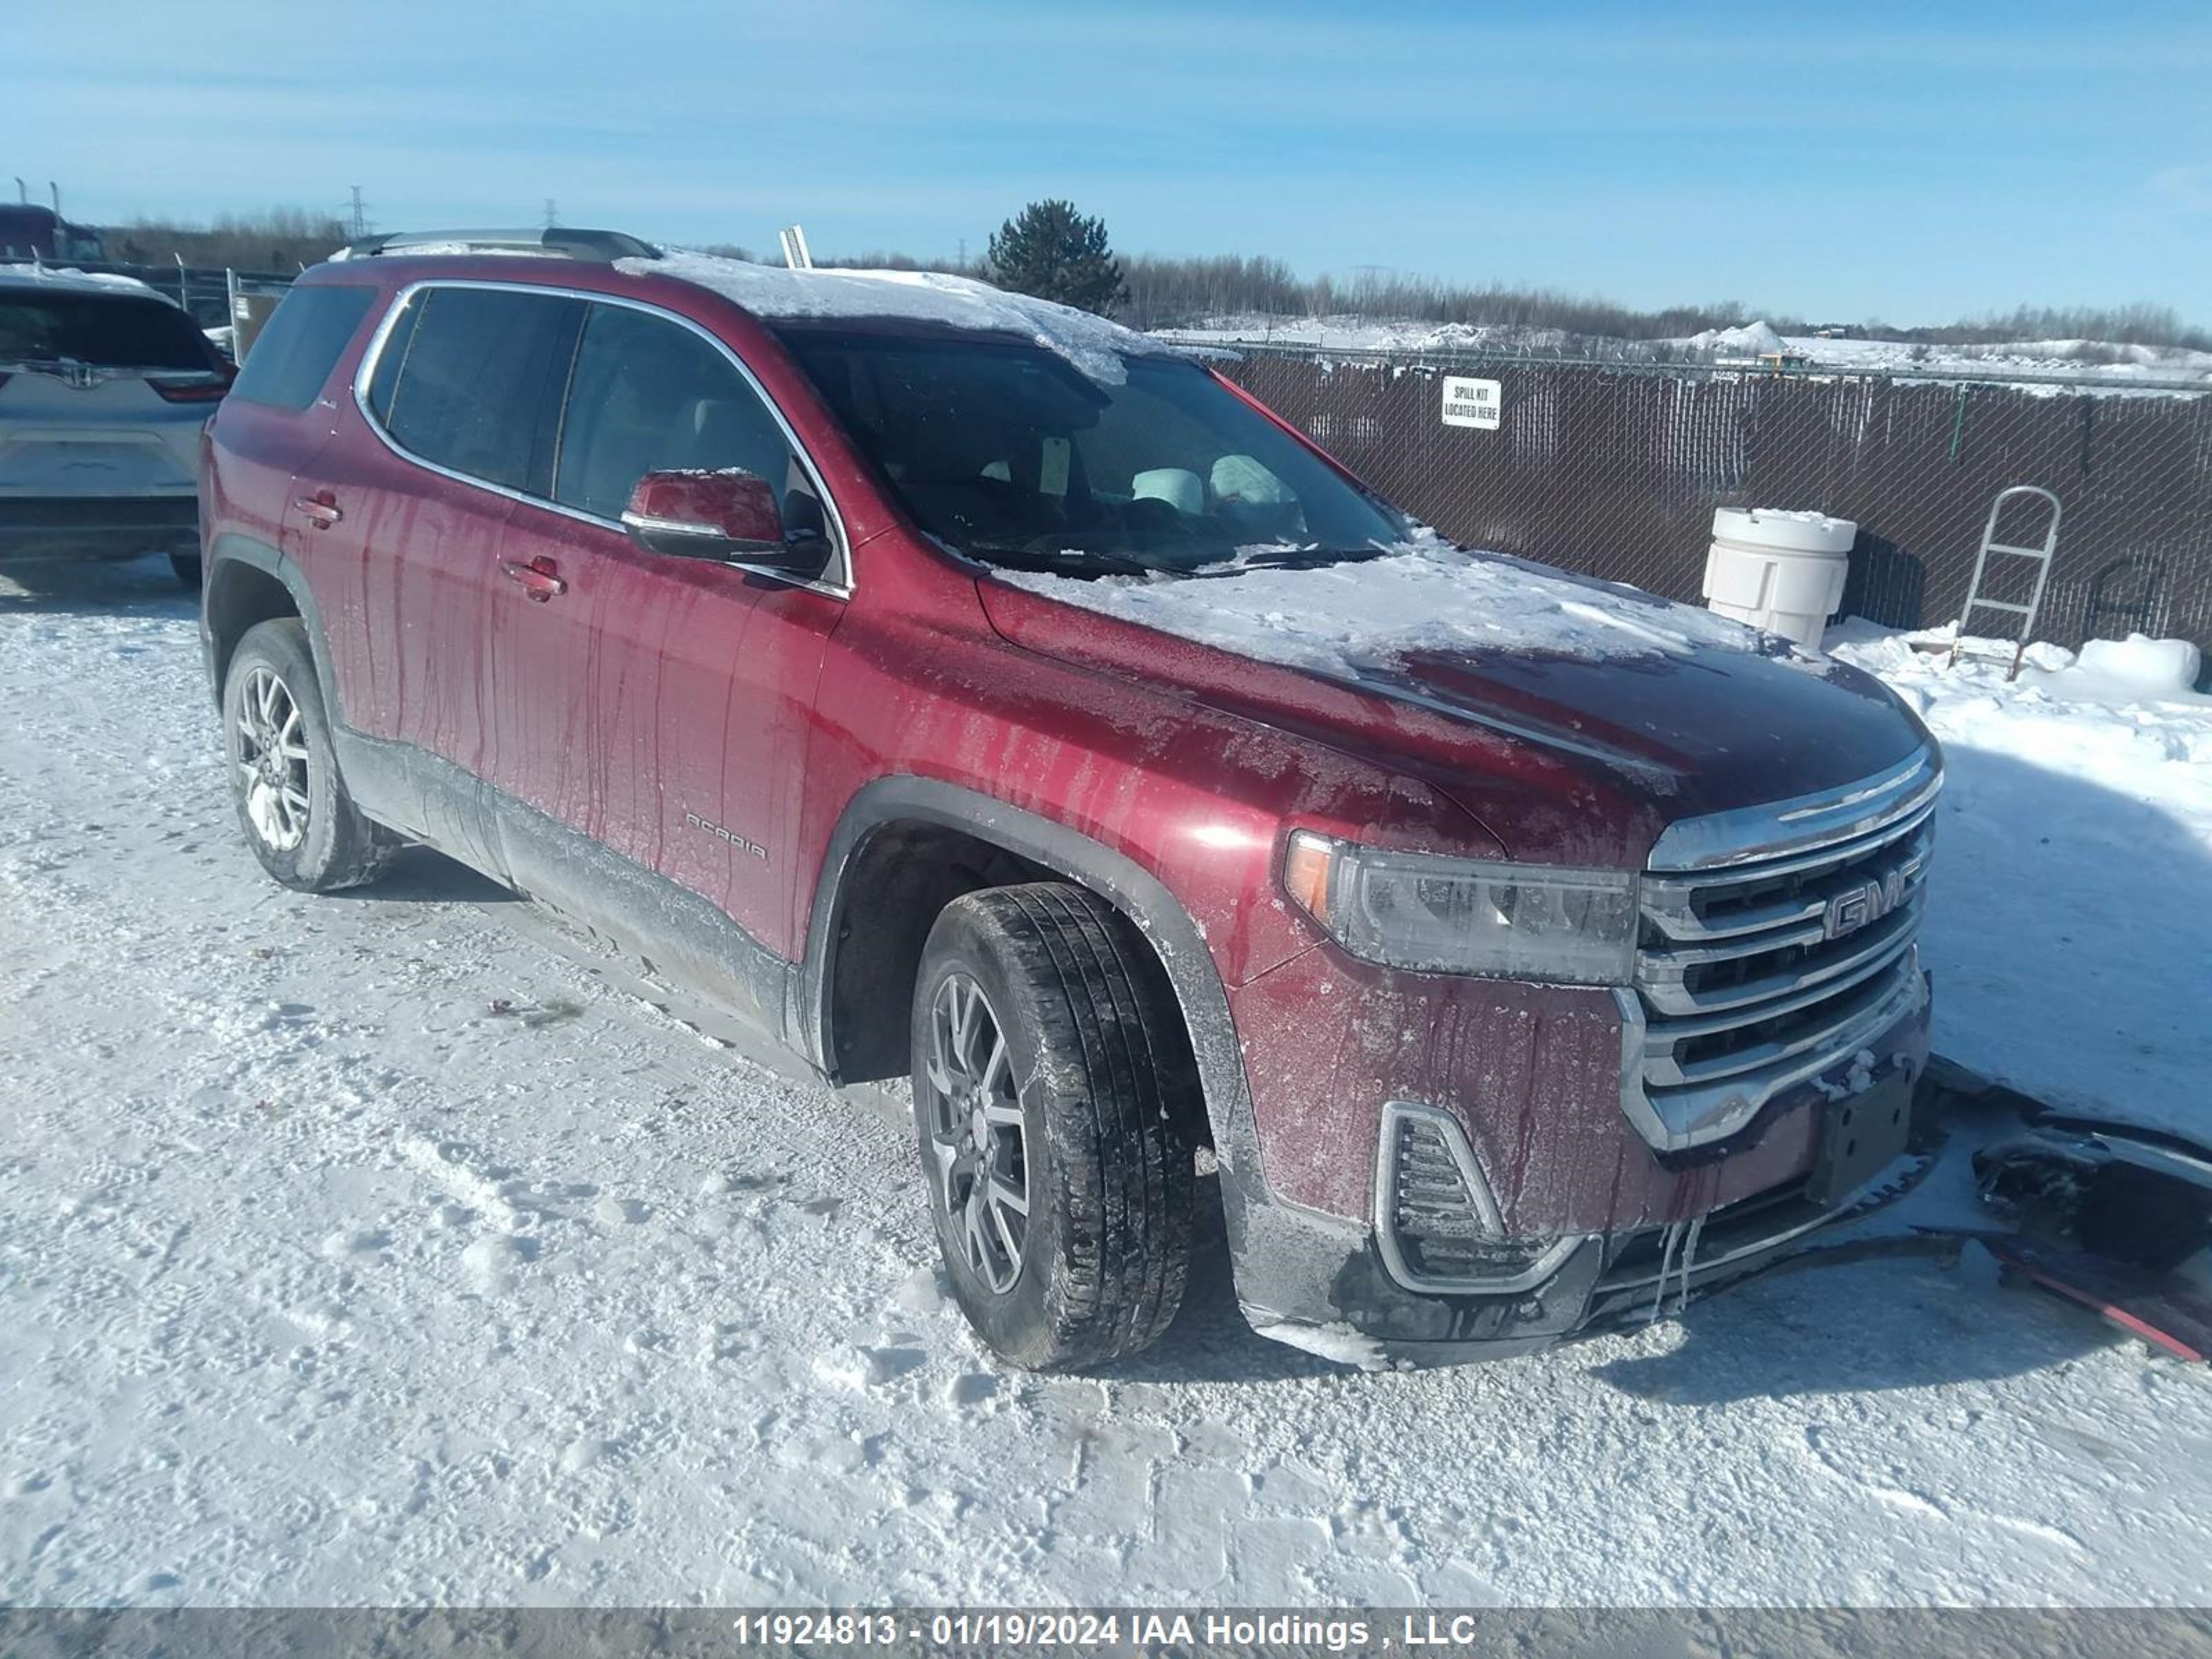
x: 1990, y: 545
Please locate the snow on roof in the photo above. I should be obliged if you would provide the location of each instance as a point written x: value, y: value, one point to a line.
x: 1091, y: 344
x: 1425, y: 596
x: 93, y: 281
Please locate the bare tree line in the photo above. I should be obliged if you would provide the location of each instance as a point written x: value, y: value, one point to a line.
x: 1167, y: 292
x: 276, y: 240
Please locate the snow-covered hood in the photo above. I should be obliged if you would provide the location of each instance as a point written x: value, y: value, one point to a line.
x: 1562, y: 712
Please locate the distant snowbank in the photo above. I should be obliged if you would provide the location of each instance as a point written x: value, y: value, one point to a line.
x: 1752, y: 340
x: 2093, y: 364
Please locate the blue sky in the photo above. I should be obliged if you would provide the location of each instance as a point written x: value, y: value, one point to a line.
x: 1917, y: 162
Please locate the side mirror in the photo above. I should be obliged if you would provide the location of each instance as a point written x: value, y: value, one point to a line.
x: 727, y: 515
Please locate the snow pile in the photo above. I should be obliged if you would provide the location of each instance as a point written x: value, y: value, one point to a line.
x: 2073, y: 879
x: 1750, y: 340
x: 1351, y: 333
x: 1425, y: 597
x: 1805, y: 515
x: 2091, y: 365
x: 2145, y: 667
x: 1094, y: 345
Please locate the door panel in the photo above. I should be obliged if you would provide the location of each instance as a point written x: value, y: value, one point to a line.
x: 661, y: 705
x: 728, y: 727
x: 462, y: 396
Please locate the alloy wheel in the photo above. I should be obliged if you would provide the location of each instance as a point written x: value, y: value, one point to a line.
x: 272, y: 760
x: 976, y: 1141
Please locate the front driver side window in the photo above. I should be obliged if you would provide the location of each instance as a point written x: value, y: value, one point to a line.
x: 650, y: 396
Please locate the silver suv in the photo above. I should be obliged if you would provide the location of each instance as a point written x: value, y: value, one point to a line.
x: 104, y: 388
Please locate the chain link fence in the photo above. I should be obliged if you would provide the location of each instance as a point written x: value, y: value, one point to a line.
x: 1615, y: 469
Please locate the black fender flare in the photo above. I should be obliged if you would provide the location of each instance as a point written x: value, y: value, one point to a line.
x: 1128, y: 886
x: 234, y: 549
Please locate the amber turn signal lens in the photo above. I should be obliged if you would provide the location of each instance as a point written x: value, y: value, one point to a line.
x: 1305, y: 871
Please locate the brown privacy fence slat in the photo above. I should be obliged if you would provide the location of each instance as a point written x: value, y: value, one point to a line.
x: 1616, y: 472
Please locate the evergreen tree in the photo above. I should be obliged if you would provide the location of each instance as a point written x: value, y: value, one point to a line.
x: 1052, y: 251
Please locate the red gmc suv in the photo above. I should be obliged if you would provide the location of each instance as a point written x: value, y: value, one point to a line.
x: 977, y: 690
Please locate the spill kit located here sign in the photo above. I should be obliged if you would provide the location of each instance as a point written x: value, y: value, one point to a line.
x: 1471, y: 402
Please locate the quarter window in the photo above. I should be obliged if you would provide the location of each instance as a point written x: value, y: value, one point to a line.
x: 470, y: 379
x: 293, y: 355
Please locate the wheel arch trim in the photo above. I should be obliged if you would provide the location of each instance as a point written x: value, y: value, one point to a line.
x: 1131, y: 889
x: 236, y: 549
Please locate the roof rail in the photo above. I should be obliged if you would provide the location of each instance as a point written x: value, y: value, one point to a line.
x: 563, y: 241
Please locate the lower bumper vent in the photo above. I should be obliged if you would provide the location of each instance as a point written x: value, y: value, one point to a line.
x: 1437, y: 1222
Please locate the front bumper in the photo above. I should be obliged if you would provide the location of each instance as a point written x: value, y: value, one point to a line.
x: 1338, y: 1289
x: 1329, y: 1293
x: 97, y: 526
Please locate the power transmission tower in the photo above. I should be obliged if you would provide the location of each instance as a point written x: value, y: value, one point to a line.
x: 552, y: 216
x: 360, y: 214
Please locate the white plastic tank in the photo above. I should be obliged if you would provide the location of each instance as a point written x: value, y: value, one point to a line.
x: 1779, y: 570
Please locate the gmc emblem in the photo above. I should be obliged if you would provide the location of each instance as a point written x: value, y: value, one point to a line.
x: 1870, y: 902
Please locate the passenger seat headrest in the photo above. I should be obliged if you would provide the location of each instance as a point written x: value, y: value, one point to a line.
x: 1179, y: 487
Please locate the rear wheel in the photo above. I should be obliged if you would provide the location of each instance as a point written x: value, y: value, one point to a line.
x: 187, y: 566
x: 1054, y: 1100
x: 292, y: 804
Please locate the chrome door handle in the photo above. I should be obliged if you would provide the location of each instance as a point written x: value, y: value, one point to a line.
x: 322, y: 507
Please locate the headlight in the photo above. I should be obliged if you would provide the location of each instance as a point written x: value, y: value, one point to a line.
x: 1443, y: 915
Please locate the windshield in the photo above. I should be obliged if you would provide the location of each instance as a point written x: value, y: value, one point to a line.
x: 1008, y: 453
x: 105, y: 332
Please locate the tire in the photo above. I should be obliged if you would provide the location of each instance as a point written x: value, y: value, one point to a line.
x: 1097, y: 1076
x: 187, y: 566
x: 292, y: 804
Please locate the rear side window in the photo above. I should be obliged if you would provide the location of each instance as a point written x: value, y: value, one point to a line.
x: 295, y: 351
x: 650, y: 396
x: 475, y: 385
x: 105, y: 331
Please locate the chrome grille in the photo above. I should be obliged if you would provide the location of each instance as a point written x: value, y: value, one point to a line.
x: 1773, y: 959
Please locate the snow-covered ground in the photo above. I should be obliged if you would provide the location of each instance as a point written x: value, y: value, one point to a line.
x: 2091, y: 361
x: 394, y: 1248
x: 2070, y: 924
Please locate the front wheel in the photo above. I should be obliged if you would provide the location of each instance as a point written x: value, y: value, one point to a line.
x: 292, y: 804
x: 1055, y: 1103
x: 187, y: 566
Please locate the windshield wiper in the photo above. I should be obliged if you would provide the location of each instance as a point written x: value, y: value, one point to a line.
x: 1289, y: 558
x: 1073, y: 562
